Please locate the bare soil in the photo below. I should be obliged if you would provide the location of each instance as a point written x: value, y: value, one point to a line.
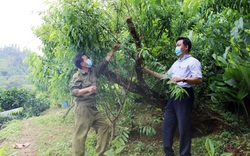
x: 28, y: 136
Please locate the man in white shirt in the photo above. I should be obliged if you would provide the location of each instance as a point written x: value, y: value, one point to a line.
x: 186, y: 72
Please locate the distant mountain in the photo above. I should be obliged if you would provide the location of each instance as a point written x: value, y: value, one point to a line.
x: 13, y: 72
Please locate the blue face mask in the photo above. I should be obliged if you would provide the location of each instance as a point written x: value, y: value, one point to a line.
x: 89, y: 63
x: 178, y: 51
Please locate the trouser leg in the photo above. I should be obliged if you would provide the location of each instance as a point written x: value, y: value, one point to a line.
x: 83, y: 123
x: 183, y: 112
x: 102, y: 130
x: 169, y: 127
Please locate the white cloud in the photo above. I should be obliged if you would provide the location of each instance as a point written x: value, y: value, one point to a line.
x: 17, y: 18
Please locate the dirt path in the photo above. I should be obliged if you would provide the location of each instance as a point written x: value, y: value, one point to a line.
x: 27, y: 141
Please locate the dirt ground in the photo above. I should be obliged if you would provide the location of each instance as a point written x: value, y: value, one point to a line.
x: 26, y: 146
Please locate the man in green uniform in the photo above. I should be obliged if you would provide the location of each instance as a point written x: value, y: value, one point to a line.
x: 83, y: 88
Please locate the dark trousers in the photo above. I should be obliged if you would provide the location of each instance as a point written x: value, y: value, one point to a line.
x: 178, y: 112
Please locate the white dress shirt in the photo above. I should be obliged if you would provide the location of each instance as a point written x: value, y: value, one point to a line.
x: 186, y: 67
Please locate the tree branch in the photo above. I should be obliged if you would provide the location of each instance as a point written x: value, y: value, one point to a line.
x: 138, y: 60
x: 134, y: 33
x: 149, y: 96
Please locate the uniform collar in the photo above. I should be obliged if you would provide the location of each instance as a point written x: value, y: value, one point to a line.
x: 82, y: 72
x: 184, y: 58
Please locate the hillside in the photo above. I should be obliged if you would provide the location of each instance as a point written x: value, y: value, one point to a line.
x: 50, y: 135
x: 12, y: 70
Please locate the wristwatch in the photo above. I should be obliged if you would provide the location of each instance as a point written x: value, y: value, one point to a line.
x: 184, y: 80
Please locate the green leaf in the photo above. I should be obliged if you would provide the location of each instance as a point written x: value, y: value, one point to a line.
x: 226, y: 154
x: 119, y: 150
x: 2, y: 150
x: 210, y: 147
x: 242, y: 92
x: 246, y: 75
x: 110, y: 152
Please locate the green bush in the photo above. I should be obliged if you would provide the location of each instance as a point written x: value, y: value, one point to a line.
x: 13, y: 98
x: 32, y: 104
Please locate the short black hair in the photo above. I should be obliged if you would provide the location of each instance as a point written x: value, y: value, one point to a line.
x: 78, y: 60
x: 186, y: 41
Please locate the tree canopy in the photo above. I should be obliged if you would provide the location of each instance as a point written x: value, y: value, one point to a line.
x: 147, y: 30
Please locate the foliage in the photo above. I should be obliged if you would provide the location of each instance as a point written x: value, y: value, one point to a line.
x: 222, y: 31
x: 35, y: 105
x: 176, y: 91
x: 2, y: 150
x: 147, y: 130
x: 119, y: 143
x: 31, y: 103
x: 66, y: 32
x: 219, y: 143
x: 13, y: 98
x: 51, y: 137
x: 54, y: 135
x: 217, y: 28
x: 211, y: 149
x: 232, y: 84
x: 10, y: 130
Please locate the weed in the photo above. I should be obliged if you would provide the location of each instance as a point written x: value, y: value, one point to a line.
x: 11, y: 130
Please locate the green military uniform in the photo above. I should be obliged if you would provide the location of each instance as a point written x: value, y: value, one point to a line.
x: 86, y: 114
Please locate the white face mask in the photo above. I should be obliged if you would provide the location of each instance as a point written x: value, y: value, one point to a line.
x: 178, y: 51
x: 89, y: 63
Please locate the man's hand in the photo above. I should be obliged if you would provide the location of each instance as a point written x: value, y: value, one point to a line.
x: 155, y: 74
x: 190, y: 80
x: 113, y: 50
x: 177, y: 79
x: 116, y: 46
x: 92, y: 89
x: 144, y: 69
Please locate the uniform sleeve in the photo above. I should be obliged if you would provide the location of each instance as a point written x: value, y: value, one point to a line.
x: 75, y: 85
x: 100, y: 67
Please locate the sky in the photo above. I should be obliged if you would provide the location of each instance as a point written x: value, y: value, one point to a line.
x: 17, y: 19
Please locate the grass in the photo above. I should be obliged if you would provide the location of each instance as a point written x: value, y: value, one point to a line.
x: 12, y: 130
x: 52, y: 136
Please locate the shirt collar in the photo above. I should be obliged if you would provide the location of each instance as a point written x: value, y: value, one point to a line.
x: 82, y: 72
x: 184, y: 58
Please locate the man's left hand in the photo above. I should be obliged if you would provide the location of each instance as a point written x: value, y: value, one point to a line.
x: 116, y: 47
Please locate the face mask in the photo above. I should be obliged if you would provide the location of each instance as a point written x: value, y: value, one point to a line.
x: 89, y: 63
x: 178, y: 51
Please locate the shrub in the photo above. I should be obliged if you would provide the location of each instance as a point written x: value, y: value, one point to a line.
x: 13, y: 98
x: 32, y: 103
